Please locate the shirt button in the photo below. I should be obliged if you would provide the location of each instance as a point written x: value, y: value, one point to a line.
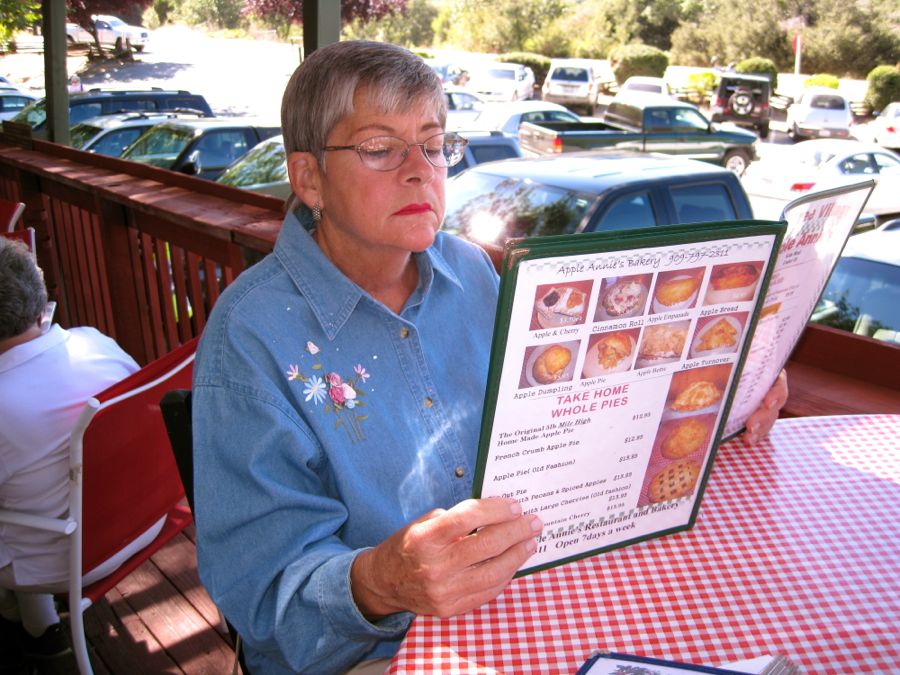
x: 460, y: 472
x: 428, y: 402
x: 404, y: 332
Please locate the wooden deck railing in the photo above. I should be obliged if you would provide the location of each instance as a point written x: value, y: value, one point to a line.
x: 143, y: 253
x: 140, y: 253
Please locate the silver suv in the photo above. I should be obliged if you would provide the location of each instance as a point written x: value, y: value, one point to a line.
x: 574, y: 83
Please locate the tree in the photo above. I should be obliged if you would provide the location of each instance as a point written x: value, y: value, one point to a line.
x: 16, y: 15
x: 81, y: 11
x: 410, y: 28
x: 499, y: 26
x: 291, y: 11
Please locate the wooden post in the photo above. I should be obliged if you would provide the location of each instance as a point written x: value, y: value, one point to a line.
x: 321, y: 24
x: 56, y: 80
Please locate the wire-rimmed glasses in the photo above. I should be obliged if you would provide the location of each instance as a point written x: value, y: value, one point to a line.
x: 386, y: 153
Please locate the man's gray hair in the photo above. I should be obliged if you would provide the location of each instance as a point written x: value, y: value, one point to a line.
x: 23, y: 294
x: 320, y: 92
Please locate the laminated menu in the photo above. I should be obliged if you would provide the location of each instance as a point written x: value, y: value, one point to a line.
x: 614, y: 363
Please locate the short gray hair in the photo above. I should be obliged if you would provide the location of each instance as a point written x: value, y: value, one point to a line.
x: 320, y: 92
x: 23, y: 294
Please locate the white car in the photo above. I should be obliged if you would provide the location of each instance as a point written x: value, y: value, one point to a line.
x: 502, y: 81
x: 507, y: 117
x: 814, y: 165
x: 573, y: 83
x: 13, y: 101
x: 110, y: 31
x: 463, y: 107
x: 641, y: 83
x: 820, y: 112
x: 887, y: 126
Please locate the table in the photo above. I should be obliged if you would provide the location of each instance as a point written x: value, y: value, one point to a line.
x: 796, y: 551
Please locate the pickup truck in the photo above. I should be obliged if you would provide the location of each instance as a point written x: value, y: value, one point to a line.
x: 645, y: 123
x: 111, y: 31
x: 587, y: 192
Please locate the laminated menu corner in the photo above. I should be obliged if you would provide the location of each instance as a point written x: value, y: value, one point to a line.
x: 614, y: 363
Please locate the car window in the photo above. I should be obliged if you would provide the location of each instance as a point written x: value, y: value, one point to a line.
x: 35, y: 114
x: 687, y: 118
x: 115, y: 142
x: 628, y: 212
x: 83, y: 110
x: 263, y: 164
x: 827, y: 102
x: 502, y: 74
x: 129, y: 105
x: 858, y: 163
x: 885, y: 162
x: 11, y: 103
x: 862, y: 296
x: 703, y: 203
x: 80, y: 134
x: 570, y: 74
x: 490, y: 153
x: 658, y: 119
x: 160, y: 146
x: 490, y: 209
x: 220, y: 148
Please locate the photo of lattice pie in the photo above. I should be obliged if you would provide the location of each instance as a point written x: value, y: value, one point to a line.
x: 675, y: 481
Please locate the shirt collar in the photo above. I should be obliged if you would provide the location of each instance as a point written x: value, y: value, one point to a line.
x: 330, y: 294
x: 12, y: 358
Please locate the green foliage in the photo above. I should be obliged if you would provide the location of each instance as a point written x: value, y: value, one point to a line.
x: 822, y: 80
x: 538, y: 63
x: 638, y: 59
x: 758, y: 65
x: 216, y: 13
x: 884, y: 86
x: 158, y: 13
x: 16, y: 15
x: 499, y: 26
x: 700, y: 86
x: 411, y: 27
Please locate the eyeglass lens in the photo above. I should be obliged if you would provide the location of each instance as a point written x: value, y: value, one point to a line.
x: 384, y: 153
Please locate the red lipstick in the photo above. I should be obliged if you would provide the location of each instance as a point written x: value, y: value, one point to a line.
x: 413, y: 209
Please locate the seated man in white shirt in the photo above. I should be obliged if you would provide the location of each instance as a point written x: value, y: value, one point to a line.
x: 47, y: 374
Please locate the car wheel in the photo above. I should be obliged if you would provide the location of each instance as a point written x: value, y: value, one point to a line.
x: 736, y: 161
x: 741, y: 102
x: 794, y: 133
x: 764, y: 130
x: 118, y: 44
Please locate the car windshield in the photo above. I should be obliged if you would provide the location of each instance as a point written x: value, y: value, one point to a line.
x: 81, y: 133
x: 809, y: 155
x: 113, y: 21
x: 33, y: 115
x: 501, y: 74
x: 489, y: 208
x: 862, y: 297
x: 570, y: 74
x: 263, y: 164
x: 160, y: 146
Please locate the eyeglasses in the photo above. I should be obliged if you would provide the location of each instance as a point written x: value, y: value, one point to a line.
x: 386, y: 153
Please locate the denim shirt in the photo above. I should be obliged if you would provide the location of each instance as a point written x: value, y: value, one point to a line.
x: 323, y: 423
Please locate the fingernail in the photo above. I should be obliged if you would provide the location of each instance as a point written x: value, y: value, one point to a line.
x: 515, y: 508
x: 531, y: 545
x: 536, y: 524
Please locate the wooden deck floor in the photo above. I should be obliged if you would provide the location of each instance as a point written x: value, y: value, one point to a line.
x: 158, y: 620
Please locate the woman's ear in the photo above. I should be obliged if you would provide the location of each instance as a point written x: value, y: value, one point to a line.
x: 305, y: 177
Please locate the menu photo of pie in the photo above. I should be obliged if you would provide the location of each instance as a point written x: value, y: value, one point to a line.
x: 677, y: 458
x: 549, y: 364
x: 611, y: 352
x: 676, y: 289
x: 720, y: 334
x: 662, y: 343
x: 623, y: 297
x: 733, y: 282
x: 557, y: 305
x: 697, y: 391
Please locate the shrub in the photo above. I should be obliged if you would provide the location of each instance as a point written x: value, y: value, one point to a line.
x: 637, y: 59
x: 538, y: 63
x: 700, y: 86
x: 884, y: 87
x: 822, y: 80
x: 757, y: 65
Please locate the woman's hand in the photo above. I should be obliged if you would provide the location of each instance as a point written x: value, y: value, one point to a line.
x: 446, y: 562
x: 761, y: 421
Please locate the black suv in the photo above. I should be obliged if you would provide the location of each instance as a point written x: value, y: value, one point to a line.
x: 744, y: 100
x: 95, y: 102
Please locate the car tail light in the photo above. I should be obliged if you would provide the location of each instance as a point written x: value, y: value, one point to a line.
x: 891, y: 129
x: 801, y: 187
x: 557, y: 145
x: 720, y: 102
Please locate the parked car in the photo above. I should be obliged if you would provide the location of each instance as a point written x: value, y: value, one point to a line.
x: 820, y: 112
x: 263, y: 168
x: 574, y: 83
x: 449, y: 72
x: 644, y: 84
x: 743, y: 100
x: 111, y: 31
x: 463, y: 107
x: 863, y: 294
x: 507, y: 117
x: 13, y: 101
x: 95, y: 102
x: 588, y: 192
x: 646, y: 123
x: 886, y: 126
x: 823, y: 163
x: 200, y: 147
x: 503, y: 82
x: 111, y: 134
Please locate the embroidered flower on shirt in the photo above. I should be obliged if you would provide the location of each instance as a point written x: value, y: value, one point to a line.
x: 341, y: 396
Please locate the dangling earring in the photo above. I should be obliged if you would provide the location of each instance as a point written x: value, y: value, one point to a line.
x: 317, y: 213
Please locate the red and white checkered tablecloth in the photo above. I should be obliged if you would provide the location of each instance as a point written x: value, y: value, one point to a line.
x: 796, y: 551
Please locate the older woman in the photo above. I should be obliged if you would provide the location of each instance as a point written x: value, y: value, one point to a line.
x: 339, y: 385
